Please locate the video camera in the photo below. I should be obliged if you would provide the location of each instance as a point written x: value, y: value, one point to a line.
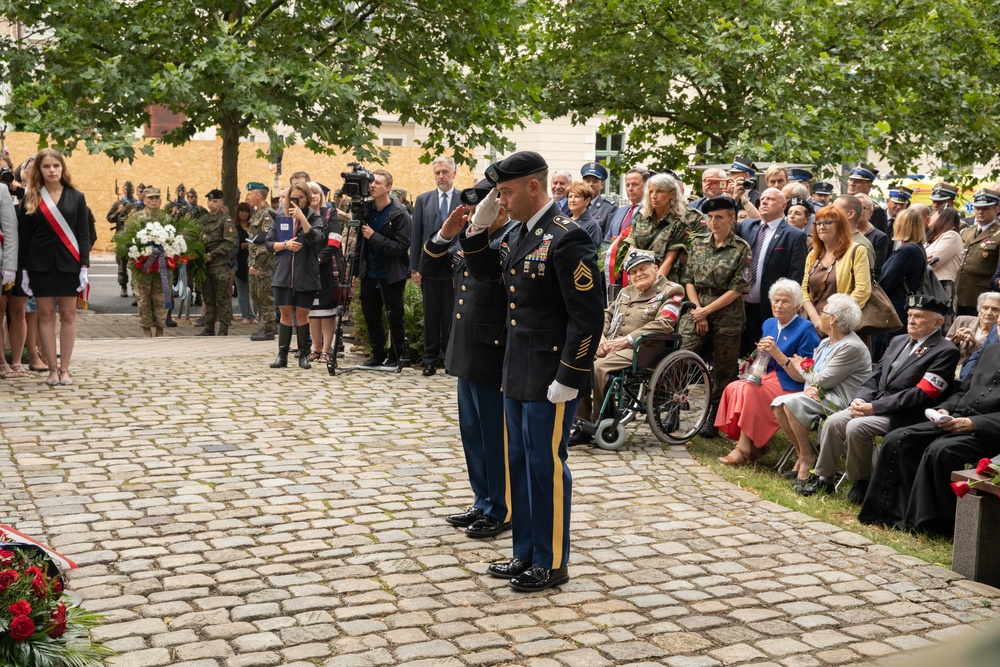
x: 357, y: 182
x: 6, y: 176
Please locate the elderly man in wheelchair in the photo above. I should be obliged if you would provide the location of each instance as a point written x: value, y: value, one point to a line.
x: 638, y: 328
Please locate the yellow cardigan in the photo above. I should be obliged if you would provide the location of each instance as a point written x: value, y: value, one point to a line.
x: 853, y: 277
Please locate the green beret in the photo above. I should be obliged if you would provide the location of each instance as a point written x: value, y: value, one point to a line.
x: 255, y: 185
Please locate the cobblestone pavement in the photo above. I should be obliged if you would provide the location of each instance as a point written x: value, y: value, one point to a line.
x: 227, y: 515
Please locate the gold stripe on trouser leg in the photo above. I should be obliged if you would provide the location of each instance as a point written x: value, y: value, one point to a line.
x: 506, y: 467
x: 557, y: 488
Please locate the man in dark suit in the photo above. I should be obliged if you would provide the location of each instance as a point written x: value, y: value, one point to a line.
x: 554, y: 320
x: 914, y: 374
x: 635, y: 188
x: 475, y: 356
x: 911, y: 483
x: 437, y: 289
x: 778, y: 251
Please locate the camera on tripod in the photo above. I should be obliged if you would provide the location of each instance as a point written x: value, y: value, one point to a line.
x: 357, y: 182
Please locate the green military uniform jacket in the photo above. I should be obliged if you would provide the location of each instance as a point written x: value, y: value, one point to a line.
x: 673, y: 232
x: 218, y: 233
x: 260, y: 258
x: 714, y: 271
x: 982, y: 254
x: 118, y: 218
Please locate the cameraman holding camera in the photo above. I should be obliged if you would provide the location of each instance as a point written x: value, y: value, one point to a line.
x: 384, y: 268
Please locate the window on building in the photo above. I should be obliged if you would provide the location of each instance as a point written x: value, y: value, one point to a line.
x: 392, y: 141
x: 608, y: 147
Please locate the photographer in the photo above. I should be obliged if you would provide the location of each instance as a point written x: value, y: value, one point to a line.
x: 742, y: 186
x: 296, y: 271
x: 384, y: 268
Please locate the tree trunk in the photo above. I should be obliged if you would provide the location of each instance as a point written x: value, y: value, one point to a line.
x: 230, y: 163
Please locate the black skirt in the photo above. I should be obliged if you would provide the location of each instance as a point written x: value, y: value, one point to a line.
x: 326, y: 303
x: 53, y: 283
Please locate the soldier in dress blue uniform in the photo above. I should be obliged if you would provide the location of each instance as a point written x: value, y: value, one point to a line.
x: 475, y: 356
x: 554, y: 319
x: 601, y: 208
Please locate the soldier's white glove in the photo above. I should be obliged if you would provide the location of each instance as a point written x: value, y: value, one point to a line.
x: 84, y: 279
x: 9, y: 277
x: 486, y: 213
x: 24, y: 283
x: 560, y: 393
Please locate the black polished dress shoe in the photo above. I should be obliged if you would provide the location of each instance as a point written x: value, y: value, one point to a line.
x: 429, y: 371
x: 487, y: 526
x: 512, y: 568
x: 170, y: 322
x: 857, y: 493
x: 708, y: 431
x: 206, y: 332
x: 539, y: 578
x: 465, y: 519
x: 579, y: 437
x: 818, y: 485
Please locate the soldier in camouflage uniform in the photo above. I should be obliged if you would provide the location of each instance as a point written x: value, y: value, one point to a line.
x: 196, y: 209
x: 715, y: 278
x: 147, y: 287
x: 117, y: 215
x: 672, y: 233
x: 218, y: 233
x: 261, y: 261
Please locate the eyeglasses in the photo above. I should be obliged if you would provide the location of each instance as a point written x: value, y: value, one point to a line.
x: 825, y: 223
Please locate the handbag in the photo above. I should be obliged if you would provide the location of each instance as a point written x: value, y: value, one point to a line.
x: 878, y: 315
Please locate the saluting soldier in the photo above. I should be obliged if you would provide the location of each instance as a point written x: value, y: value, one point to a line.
x: 554, y: 320
x: 148, y: 287
x: 650, y: 304
x: 982, y: 252
x: 117, y: 215
x: 261, y: 261
x: 475, y: 355
x: 715, y: 278
x: 601, y: 208
x: 218, y: 233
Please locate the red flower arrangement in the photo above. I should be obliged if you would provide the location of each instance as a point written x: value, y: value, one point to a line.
x: 985, y: 467
x: 37, y: 627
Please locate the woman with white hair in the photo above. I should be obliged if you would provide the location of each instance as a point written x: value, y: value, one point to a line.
x: 838, y: 367
x: 743, y: 413
x: 664, y: 225
x: 969, y: 331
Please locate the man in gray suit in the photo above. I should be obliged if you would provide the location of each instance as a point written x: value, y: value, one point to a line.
x: 429, y: 212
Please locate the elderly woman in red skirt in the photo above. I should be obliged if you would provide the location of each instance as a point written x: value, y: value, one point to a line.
x: 745, y: 413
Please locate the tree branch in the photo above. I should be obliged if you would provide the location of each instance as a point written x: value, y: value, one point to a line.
x: 273, y: 7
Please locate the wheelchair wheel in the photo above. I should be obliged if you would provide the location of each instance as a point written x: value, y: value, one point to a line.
x: 608, y: 436
x: 677, y: 402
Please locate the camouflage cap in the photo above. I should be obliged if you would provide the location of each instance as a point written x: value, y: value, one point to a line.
x: 151, y: 192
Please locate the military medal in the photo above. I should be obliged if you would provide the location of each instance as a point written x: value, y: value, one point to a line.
x: 541, y: 269
x: 527, y: 266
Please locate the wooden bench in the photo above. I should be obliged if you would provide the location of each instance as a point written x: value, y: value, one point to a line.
x: 977, y: 525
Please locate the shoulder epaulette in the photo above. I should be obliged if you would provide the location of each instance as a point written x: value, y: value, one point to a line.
x: 565, y: 222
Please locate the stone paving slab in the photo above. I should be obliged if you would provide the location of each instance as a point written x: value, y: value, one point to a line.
x: 224, y: 515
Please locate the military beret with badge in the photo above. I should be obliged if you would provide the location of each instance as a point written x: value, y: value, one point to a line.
x: 214, y: 194
x: 256, y: 185
x: 522, y: 163
x: 722, y: 203
x: 475, y: 194
x: 926, y: 302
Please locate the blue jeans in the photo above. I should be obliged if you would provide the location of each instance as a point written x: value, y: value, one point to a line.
x: 243, y: 299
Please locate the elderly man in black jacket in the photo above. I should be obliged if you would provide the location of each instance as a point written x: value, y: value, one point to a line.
x: 916, y: 371
x: 475, y: 354
x: 911, y: 483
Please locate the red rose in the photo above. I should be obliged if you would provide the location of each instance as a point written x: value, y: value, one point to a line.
x: 806, y: 364
x: 38, y: 585
x: 20, y: 608
x: 57, y: 586
x: 6, y: 556
x: 7, y: 577
x: 58, y: 630
x: 983, y: 467
x: 21, y: 628
x: 960, y: 488
x: 33, y: 571
x: 59, y: 613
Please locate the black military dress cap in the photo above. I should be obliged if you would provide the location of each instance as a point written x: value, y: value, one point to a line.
x: 517, y: 165
x: 594, y: 169
x: 822, y: 188
x: 944, y: 191
x: 475, y: 194
x: 723, y: 203
x: 214, y: 194
x: 926, y: 302
x: 985, y: 198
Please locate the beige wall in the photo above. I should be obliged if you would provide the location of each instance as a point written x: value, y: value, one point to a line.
x: 198, y: 164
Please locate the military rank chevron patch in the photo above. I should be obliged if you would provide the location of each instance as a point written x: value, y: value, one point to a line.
x: 583, y: 279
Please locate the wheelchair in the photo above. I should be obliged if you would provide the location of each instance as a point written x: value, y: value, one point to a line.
x: 672, y: 387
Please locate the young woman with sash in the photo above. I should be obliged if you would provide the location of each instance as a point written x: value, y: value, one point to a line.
x: 55, y: 256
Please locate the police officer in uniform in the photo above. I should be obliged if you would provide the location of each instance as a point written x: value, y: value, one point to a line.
x: 899, y: 200
x: 743, y: 169
x: 218, y: 233
x: 117, y: 215
x: 982, y: 252
x: 821, y: 194
x: 943, y: 196
x: 649, y: 304
x: 601, y: 208
x: 261, y: 261
x: 554, y: 320
x: 715, y: 278
x: 474, y: 355
x: 860, y: 182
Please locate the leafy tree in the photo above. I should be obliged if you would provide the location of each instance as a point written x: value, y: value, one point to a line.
x: 88, y: 71
x: 813, y: 81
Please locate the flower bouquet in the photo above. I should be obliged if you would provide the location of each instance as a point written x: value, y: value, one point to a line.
x: 985, y: 467
x: 153, y: 247
x: 40, y: 626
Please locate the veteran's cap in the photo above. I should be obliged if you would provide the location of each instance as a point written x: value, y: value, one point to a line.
x: 926, y: 302
x: 475, y: 194
x: 636, y: 258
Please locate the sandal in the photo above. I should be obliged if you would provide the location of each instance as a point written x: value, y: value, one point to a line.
x: 324, y: 358
x: 735, y: 458
x: 6, y: 371
x: 40, y: 368
x: 19, y: 371
x: 313, y: 356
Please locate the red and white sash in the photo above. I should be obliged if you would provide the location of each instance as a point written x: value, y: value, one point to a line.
x: 62, y: 229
